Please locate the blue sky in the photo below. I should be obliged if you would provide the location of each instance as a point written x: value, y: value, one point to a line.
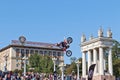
x: 51, y: 20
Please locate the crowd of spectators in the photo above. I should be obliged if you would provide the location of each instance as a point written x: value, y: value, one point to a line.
x: 31, y: 76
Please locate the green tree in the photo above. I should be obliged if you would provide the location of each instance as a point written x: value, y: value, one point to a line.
x: 46, y: 64
x: 34, y: 59
x: 116, y: 58
x: 72, y: 67
x: 42, y: 64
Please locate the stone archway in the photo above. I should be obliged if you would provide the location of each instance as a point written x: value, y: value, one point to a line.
x: 95, y: 48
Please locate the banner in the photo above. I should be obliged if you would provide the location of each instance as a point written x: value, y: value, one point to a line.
x: 91, y: 71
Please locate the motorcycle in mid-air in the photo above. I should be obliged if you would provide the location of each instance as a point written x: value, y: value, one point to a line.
x: 64, y: 45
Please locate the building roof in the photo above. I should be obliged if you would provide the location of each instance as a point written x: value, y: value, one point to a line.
x: 30, y: 44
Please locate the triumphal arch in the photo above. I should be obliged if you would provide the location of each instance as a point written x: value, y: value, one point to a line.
x: 97, y: 50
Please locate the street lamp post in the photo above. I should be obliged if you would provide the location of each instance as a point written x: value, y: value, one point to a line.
x: 62, y: 70
x: 24, y: 58
x: 22, y: 40
x: 78, y: 65
x: 54, y: 61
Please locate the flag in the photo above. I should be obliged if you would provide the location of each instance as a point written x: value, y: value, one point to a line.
x: 91, y: 71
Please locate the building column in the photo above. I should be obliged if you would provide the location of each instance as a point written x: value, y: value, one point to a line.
x: 11, y: 58
x: 95, y: 60
x: 101, y: 71
x: 110, y: 66
x: 89, y: 59
x: 83, y: 64
x: 104, y: 64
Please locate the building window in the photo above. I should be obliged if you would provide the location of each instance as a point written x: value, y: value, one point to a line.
x: 27, y: 52
x: 45, y: 53
x: 22, y: 52
x: 36, y: 51
x: 50, y: 53
x: 41, y: 52
x: 17, y: 52
x: 59, y: 54
x: 54, y: 54
x: 31, y: 51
